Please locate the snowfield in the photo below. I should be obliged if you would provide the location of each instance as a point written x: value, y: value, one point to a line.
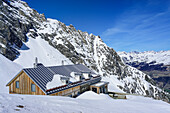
x: 88, y: 102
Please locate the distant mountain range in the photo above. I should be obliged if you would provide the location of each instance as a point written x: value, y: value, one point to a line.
x: 156, y: 64
x: 26, y: 34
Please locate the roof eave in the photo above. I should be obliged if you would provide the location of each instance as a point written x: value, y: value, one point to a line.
x: 14, y: 78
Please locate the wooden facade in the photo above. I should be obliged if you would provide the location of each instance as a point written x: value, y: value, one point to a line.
x: 71, y: 92
x: 24, y: 85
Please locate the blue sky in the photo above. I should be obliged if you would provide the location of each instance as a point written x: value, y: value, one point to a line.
x: 125, y: 25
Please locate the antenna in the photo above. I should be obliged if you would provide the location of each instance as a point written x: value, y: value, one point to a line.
x: 36, y: 60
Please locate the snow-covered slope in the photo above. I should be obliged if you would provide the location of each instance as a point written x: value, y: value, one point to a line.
x: 89, y: 102
x: 45, y: 53
x: 27, y: 34
x: 147, y: 56
x: 8, y: 70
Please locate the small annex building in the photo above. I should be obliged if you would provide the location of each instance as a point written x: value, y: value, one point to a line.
x: 68, y: 80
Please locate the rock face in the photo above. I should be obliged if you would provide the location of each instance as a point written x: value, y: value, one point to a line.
x: 15, y: 24
x: 78, y: 46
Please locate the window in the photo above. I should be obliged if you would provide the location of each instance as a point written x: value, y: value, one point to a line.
x: 33, y: 87
x: 80, y: 78
x: 94, y: 89
x: 17, y: 84
x: 66, y: 81
x: 70, y: 95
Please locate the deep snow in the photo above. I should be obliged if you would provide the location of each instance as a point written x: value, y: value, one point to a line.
x: 88, y: 102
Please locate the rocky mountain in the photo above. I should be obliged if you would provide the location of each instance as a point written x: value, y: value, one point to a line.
x: 155, y: 64
x: 19, y: 25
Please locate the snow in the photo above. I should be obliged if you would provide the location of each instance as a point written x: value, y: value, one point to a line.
x: 73, y: 77
x: 46, y: 54
x: 55, y: 82
x: 113, y: 83
x: 2, y: 45
x: 39, y: 48
x: 96, y: 57
x: 147, y: 56
x: 8, y: 70
x: 95, y: 52
x: 23, y: 6
x: 90, y: 95
x: 88, y: 102
x: 101, y: 83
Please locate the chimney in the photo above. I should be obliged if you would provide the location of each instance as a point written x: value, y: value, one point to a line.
x: 36, y: 62
x: 62, y: 62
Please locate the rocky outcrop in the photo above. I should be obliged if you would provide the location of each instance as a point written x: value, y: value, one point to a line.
x: 14, y: 25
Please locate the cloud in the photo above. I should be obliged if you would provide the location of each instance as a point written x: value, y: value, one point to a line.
x: 112, y: 31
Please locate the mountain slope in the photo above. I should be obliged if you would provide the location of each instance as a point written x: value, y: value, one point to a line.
x: 77, y: 46
x: 155, y: 64
x: 39, y: 48
x: 8, y: 70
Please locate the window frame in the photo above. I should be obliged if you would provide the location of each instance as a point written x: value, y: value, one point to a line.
x: 33, y: 88
x: 17, y: 84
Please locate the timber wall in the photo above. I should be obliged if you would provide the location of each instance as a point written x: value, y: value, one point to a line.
x: 24, y: 86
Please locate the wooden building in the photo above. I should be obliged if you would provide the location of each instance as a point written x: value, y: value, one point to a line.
x: 33, y: 81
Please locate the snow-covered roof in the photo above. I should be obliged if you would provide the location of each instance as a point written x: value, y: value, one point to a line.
x: 42, y: 75
x: 101, y: 83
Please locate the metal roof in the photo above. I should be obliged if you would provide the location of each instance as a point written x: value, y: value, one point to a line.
x: 60, y: 88
x: 67, y: 69
x: 42, y: 75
